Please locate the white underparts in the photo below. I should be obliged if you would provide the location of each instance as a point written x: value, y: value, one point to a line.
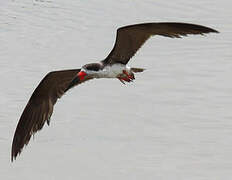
x: 110, y: 71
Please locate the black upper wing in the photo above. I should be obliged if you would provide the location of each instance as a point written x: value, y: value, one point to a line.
x: 40, y: 106
x: 130, y: 38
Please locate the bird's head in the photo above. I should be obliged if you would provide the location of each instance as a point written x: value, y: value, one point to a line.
x: 82, y: 75
x: 91, y: 70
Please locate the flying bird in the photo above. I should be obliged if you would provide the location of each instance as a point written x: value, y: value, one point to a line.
x: 128, y: 40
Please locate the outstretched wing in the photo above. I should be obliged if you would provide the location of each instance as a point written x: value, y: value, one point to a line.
x: 40, y: 106
x: 130, y: 38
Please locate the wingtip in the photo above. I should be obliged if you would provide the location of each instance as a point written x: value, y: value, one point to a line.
x: 16, y: 147
x: 13, y: 155
x: 213, y: 30
x: 12, y: 158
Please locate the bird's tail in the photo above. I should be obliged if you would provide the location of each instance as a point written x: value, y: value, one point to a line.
x: 137, y: 70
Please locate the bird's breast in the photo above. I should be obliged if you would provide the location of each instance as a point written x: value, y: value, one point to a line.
x: 112, y: 71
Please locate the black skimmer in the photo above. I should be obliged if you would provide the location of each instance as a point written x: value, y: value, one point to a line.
x: 129, y: 39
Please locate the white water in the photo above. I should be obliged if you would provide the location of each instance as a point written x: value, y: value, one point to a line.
x: 174, y: 122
